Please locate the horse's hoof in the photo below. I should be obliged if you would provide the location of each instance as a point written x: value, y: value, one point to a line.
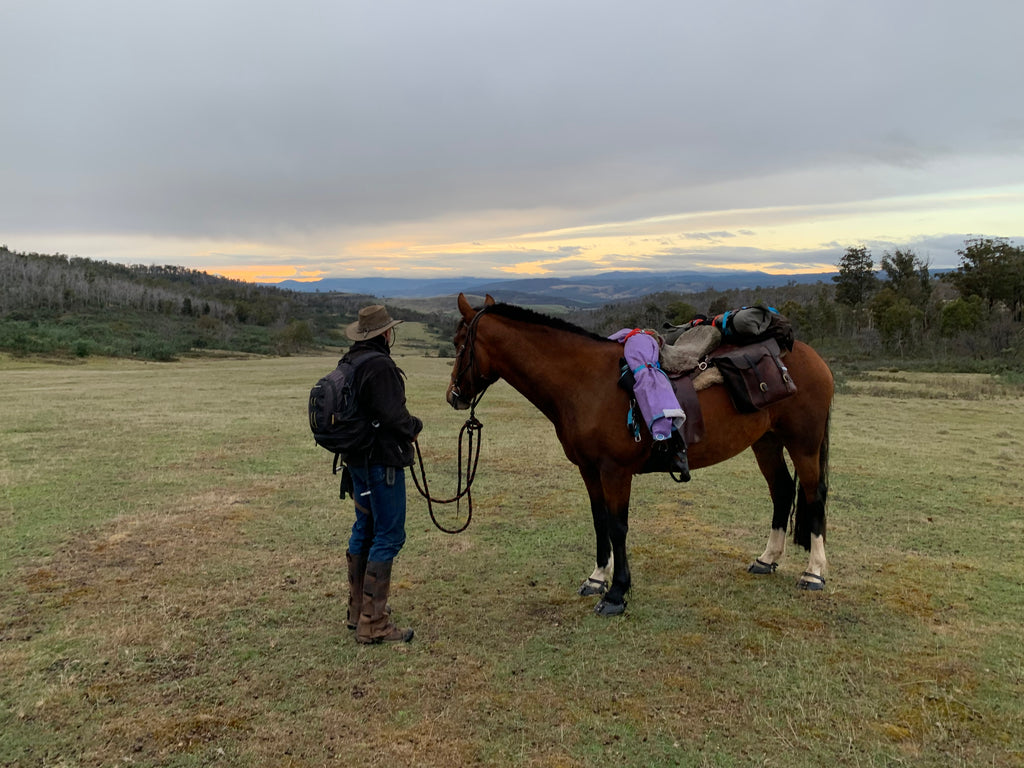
x: 812, y: 582
x: 593, y: 587
x: 759, y: 567
x: 604, y: 608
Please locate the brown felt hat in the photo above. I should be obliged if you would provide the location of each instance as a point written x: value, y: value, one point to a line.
x: 373, y: 321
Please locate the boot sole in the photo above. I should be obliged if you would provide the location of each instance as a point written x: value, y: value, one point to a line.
x: 405, y: 637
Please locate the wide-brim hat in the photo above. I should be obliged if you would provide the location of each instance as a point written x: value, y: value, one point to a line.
x: 373, y: 321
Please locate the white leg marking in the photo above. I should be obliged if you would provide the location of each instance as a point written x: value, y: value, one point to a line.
x: 817, y: 563
x: 775, y: 548
x: 604, y: 574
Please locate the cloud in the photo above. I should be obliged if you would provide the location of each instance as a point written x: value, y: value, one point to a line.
x: 709, y: 236
x: 304, y: 135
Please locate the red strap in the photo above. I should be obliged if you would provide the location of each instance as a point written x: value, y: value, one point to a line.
x: 634, y: 332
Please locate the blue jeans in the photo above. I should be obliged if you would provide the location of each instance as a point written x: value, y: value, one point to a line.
x: 379, y: 529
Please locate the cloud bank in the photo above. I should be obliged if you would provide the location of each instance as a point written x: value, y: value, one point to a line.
x: 332, y: 138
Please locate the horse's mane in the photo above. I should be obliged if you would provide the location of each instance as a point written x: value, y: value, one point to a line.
x: 524, y: 315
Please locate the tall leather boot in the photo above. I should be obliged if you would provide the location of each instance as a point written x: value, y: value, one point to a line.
x: 356, y: 571
x: 669, y: 456
x: 375, y: 624
x: 680, y: 465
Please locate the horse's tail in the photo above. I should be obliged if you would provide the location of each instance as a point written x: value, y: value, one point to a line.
x: 810, y: 517
x: 823, y: 468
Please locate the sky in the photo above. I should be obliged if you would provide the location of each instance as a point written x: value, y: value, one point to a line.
x: 508, y: 138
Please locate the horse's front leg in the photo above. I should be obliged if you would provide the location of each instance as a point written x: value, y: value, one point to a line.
x: 616, y: 494
x: 598, y: 581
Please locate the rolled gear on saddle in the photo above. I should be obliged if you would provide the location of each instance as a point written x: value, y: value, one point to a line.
x: 654, y: 395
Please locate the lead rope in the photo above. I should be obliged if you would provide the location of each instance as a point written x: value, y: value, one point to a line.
x: 467, y: 437
x: 468, y: 431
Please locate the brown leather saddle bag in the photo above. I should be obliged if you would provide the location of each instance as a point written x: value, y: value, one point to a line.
x: 754, y: 375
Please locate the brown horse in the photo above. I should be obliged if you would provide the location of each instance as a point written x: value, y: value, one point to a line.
x: 571, y: 375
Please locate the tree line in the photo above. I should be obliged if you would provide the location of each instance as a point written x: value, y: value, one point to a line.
x: 975, y: 311
x: 897, y: 309
x: 58, y: 304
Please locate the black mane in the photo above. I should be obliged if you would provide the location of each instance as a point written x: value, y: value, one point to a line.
x: 524, y: 315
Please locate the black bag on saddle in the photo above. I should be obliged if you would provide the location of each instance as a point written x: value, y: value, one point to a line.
x: 754, y: 376
x: 752, y: 324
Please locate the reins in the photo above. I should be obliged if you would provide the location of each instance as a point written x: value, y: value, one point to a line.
x: 471, y: 427
x: 467, y: 437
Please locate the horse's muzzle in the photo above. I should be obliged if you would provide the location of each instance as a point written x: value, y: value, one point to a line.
x: 455, y: 401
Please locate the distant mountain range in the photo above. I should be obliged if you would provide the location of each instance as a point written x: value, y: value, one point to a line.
x: 571, y: 291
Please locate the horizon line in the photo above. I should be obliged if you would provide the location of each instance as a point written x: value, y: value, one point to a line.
x: 734, y: 270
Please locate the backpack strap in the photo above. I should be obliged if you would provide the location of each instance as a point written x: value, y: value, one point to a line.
x: 345, y: 486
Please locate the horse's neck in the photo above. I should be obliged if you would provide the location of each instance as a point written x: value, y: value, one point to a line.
x: 547, y: 366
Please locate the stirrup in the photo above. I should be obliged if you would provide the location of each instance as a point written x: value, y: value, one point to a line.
x: 680, y: 466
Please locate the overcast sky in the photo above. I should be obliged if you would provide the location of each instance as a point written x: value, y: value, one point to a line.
x: 309, y: 138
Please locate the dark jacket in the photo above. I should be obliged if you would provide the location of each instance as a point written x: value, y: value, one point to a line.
x: 380, y: 393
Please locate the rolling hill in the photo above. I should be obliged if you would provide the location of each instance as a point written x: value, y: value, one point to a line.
x: 579, y: 291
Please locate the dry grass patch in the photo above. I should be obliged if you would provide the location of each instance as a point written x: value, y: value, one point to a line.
x: 934, y: 386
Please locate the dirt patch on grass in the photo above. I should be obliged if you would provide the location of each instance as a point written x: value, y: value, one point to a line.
x: 124, y: 562
x: 121, y: 612
x: 126, y: 559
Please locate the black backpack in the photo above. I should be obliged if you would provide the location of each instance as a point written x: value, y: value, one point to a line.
x: 334, y: 416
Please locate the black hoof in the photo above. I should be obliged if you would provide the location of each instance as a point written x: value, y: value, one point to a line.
x: 761, y: 567
x: 812, y: 582
x: 593, y: 587
x: 604, y: 608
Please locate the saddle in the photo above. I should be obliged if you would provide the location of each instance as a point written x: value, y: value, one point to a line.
x: 753, y: 374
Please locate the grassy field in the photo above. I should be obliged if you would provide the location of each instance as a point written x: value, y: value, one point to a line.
x: 174, y: 586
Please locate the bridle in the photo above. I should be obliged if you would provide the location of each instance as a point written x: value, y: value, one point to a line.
x: 468, y: 348
x: 467, y: 435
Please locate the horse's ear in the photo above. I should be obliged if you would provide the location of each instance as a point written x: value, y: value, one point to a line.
x: 488, y: 300
x: 465, y: 308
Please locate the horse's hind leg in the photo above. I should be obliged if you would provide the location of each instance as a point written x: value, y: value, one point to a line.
x: 782, y: 487
x: 809, y: 522
x: 597, y: 583
x: 809, y: 531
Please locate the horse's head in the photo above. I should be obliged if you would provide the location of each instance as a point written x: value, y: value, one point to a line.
x: 470, y: 372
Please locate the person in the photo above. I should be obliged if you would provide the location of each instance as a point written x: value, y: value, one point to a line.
x: 377, y: 476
